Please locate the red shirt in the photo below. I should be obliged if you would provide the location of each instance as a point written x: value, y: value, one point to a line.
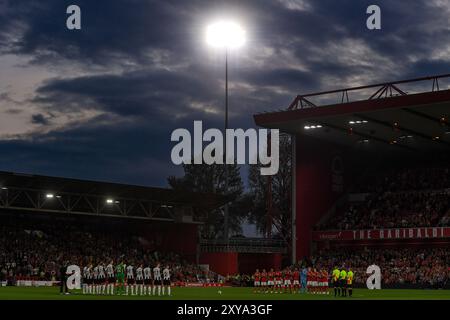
x: 263, y: 277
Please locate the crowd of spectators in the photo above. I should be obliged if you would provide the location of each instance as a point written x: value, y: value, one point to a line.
x: 407, y: 198
x: 395, y: 210
x: 405, y: 179
x: 416, y: 267
x: 36, y: 250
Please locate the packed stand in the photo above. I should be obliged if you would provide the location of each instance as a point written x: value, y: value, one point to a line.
x: 36, y: 250
x: 407, y: 198
x: 422, y: 268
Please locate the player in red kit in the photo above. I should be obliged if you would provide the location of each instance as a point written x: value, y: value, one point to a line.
x: 271, y: 281
x: 264, y: 281
x: 309, y: 281
x: 324, y: 281
x: 296, y: 280
x: 257, y: 281
x: 278, y: 281
x: 312, y: 280
x: 287, y: 281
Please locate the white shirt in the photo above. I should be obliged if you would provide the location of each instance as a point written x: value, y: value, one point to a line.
x: 95, y: 272
x: 130, y: 272
x: 89, y: 273
x: 157, y: 273
x: 110, y: 270
x: 101, y: 271
x: 85, y: 272
x: 139, y: 273
x: 147, y: 273
x: 166, y: 274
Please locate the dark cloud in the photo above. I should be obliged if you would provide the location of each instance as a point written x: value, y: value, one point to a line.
x: 138, y: 70
x: 40, y: 119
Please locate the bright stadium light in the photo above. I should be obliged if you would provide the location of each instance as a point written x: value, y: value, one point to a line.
x: 225, y: 34
x: 49, y: 195
x: 109, y: 201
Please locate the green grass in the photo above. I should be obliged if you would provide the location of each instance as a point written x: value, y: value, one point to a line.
x: 52, y: 293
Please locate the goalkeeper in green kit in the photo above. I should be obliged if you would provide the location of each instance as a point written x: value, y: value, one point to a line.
x: 120, y: 271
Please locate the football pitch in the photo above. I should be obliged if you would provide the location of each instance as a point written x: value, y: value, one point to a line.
x: 52, y: 293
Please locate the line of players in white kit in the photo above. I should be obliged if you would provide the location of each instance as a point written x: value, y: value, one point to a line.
x: 125, y: 279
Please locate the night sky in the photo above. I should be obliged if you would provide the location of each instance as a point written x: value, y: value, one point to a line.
x: 100, y: 103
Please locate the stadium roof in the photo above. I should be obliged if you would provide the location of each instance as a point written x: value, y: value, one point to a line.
x: 30, y: 192
x: 391, y: 117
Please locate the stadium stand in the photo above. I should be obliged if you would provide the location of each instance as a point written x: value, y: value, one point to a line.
x: 401, y: 267
x: 34, y: 248
x: 407, y: 198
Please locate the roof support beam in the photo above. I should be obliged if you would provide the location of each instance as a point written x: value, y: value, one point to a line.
x: 399, y: 127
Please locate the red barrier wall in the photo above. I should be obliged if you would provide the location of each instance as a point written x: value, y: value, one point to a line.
x: 319, y: 183
x: 223, y: 263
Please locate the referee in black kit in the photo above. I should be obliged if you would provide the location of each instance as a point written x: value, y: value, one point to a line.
x: 63, y: 278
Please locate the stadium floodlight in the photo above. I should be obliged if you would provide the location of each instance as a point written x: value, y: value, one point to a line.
x: 225, y: 34
x: 4, y: 188
x: 109, y: 201
x: 49, y: 195
x: 307, y: 127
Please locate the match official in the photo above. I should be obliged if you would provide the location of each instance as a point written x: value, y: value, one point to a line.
x: 335, y: 275
x: 63, y: 279
x: 343, y: 284
x: 350, y: 282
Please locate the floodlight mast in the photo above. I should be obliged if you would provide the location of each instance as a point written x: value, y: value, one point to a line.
x: 227, y: 35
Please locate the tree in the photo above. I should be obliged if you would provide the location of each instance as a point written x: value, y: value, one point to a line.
x: 211, y: 178
x: 281, y: 195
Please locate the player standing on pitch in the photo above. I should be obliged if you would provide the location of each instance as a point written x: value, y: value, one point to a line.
x: 148, y: 280
x: 140, y: 280
x: 111, y: 279
x: 166, y: 281
x: 264, y: 281
x: 278, y: 281
x: 271, y: 280
x: 90, y: 279
x: 130, y: 279
x: 101, y: 278
x: 157, y: 279
x: 296, y: 280
x: 85, y: 279
x: 303, y: 279
x: 120, y: 271
x: 257, y: 281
